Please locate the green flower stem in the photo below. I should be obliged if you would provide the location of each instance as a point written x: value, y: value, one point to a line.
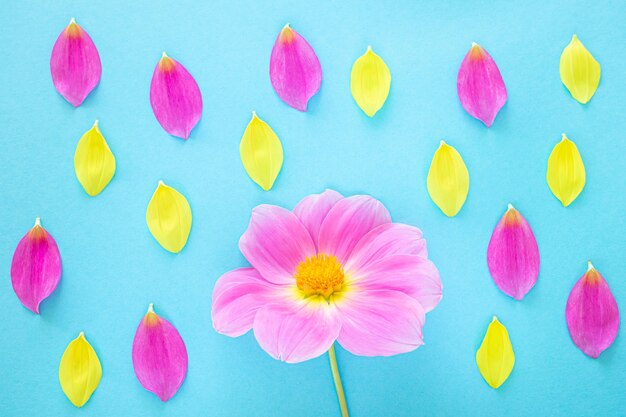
x: 341, y: 397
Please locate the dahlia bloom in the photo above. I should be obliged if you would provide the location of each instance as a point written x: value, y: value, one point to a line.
x: 334, y: 268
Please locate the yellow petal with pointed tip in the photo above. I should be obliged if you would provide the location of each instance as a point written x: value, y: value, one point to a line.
x: 79, y: 371
x: 261, y: 152
x: 566, y: 171
x: 370, y: 82
x: 448, y: 180
x: 94, y: 162
x: 169, y: 218
x: 580, y: 72
x: 495, y: 357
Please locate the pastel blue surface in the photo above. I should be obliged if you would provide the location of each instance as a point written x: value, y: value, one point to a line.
x: 112, y: 267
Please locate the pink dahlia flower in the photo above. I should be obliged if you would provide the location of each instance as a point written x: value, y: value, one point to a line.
x: 334, y: 268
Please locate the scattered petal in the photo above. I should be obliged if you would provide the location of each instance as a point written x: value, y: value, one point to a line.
x: 175, y: 97
x: 80, y: 371
x: 370, y: 82
x: 295, y: 71
x: 495, y: 357
x: 480, y: 86
x: 159, y: 356
x: 580, y: 72
x: 36, y: 267
x: 566, y: 171
x: 169, y: 218
x: 75, y: 64
x: 592, y: 314
x: 94, y: 162
x: 448, y: 180
x: 261, y: 152
x: 513, y: 255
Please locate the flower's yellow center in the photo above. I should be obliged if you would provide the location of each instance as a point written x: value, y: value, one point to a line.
x: 320, y: 274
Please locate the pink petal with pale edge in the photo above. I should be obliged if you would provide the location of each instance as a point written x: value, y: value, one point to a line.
x: 75, y: 64
x: 296, y: 332
x: 295, y: 71
x: 380, y: 323
x: 159, y: 356
x: 175, y: 98
x: 312, y: 210
x: 480, y: 86
x: 592, y: 315
x: 347, y: 222
x: 275, y: 243
x: 36, y: 268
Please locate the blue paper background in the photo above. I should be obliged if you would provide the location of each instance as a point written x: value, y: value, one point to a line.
x: 113, y: 267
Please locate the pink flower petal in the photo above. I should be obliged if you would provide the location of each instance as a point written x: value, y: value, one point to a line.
x: 347, y: 222
x: 380, y: 323
x: 480, y: 85
x: 513, y: 255
x: 237, y: 297
x: 159, y: 356
x: 298, y: 331
x: 592, y: 314
x: 75, y: 64
x: 275, y: 243
x: 36, y: 267
x: 295, y: 71
x: 312, y: 210
x: 175, y: 97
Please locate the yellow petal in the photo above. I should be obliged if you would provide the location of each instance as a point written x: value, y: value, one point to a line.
x: 261, y: 152
x: 448, y: 180
x: 370, y: 82
x: 169, y: 218
x: 79, y: 371
x: 495, y: 358
x: 94, y: 162
x: 566, y: 171
x: 580, y: 72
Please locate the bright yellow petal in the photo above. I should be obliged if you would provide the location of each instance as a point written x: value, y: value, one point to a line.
x: 495, y: 357
x: 370, y: 82
x: 94, y: 162
x: 580, y: 72
x: 448, y: 180
x: 79, y: 371
x: 261, y: 152
x: 169, y: 218
x: 566, y: 171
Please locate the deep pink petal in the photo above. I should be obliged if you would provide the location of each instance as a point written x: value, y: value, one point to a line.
x: 592, y: 314
x: 380, y: 323
x: 295, y: 71
x: 480, y: 86
x: 298, y: 331
x: 75, y: 64
x: 347, y: 222
x: 159, y: 356
x: 275, y: 243
x: 36, y: 267
x: 513, y: 255
x: 175, y: 97
x: 312, y: 210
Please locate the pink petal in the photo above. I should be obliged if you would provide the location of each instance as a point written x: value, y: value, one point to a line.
x: 592, y: 314
x: 295, y: 71
x: 275, y: 243
x: 75, y: 64
x: 480, y: 85
x: 380, y: 323
x: 237, y: 297
x: 513, y: 255
x: 312, y: 210
x: 159, y: 356
x: 347, y: 222
x: 298, y: 331
x: 175, y: 97
x: 36, y: 267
